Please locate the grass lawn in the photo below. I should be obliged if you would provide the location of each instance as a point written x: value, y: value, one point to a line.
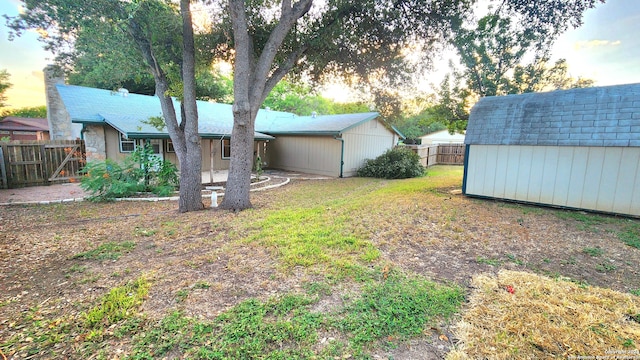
x: 328, y: 269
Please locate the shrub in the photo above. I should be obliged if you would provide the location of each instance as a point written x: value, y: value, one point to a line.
x: 139, y: 172
x: 397, y: 163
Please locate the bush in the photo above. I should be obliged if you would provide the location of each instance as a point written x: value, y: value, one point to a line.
x: 140, y: 172
x: 396, y: 163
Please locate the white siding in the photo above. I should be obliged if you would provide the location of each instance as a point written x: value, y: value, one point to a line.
x: 593, y: 178
x: 365, y: 141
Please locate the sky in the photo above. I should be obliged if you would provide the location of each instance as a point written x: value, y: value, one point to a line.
x: 606, y: 49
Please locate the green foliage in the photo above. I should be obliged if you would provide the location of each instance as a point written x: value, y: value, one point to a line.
x: 631, y: 237
x: 29, y: 112
x: 118, y: 304
x: 299, y: 98
x: 278, y: 329
x: 107, y: 251
x: 492, y: 262
x: 257, y: 167
x: 397, y: 306
x: 4, y: 86
x: 394, y: 306
x: 420, y: 124
x: 397, y: 163
x: 141, y: 171
x: 155, y: 121
x: 107, y: 180
x: 313, y: 237
x: 605, y: 267
x: 595, y: 251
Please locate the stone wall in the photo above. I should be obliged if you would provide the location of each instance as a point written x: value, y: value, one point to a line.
x: 60, y: 127
x: 94, y: 142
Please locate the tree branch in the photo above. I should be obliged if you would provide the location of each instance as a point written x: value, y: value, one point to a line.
x: 288, y: 18
x: 282, y: 70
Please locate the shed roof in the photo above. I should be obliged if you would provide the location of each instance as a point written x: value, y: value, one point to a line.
x: 24, y: 124
x: 598, y: 116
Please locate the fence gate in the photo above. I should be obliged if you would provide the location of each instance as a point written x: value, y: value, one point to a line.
x: 29, y: 163
x: 451, y: 154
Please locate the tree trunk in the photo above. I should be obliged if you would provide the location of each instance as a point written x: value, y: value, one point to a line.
x: 185, y: 137
x: 191, y: 161
x: 236, y: 195
x: 253, y: 80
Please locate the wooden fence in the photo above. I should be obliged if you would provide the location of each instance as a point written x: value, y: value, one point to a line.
x: 446, y: 154
x: 31, y: 163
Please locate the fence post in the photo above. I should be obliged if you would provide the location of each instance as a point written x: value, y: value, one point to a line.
x: 3, y: 170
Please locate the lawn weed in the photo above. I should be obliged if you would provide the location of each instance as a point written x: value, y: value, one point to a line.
x: 107, y: 251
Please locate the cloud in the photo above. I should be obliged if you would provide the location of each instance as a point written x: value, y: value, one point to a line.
x: 590, y: 44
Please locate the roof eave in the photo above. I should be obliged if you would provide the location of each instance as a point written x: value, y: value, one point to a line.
x: 304, y: 133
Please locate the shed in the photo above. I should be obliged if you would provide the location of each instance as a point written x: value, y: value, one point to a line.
x: 577, y: 148
x: 330, y: 145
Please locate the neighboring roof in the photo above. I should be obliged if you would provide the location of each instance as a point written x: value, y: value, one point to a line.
x: 126, y: 112
x: 312, y: 125
x: 14, y: 123
x: 444, y: 135
x: 598, y: 116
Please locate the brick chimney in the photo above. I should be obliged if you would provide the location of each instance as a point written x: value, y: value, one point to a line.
x: 60, y: 127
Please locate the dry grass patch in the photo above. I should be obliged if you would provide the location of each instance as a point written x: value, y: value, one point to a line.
x: 523, y: 315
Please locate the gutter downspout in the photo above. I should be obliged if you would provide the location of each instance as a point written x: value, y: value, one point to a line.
x: 341, y: 152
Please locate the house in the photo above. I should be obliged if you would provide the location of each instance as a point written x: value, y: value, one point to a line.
x: 113, y: 123
x: 577, y: 148
x: 19, y: 128
x: 442, y: 137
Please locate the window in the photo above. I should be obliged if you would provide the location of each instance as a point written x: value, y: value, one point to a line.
x: 155, y: 145
x: 170, y: 148
x: 126, y: 145
x: 226, y: 149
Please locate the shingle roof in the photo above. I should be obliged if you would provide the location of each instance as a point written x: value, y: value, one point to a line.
x: 312, y: 125
x: 127, y: 113
x: 598, y: 116
x: 26, y: 124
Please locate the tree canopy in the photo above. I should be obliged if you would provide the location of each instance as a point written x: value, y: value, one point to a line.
x: 4, y: 85
x: 28, y: 112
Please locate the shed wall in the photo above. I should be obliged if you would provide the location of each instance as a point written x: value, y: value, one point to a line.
x: 365, y: 141
x: 309, y: 154
x: 594, y: 178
